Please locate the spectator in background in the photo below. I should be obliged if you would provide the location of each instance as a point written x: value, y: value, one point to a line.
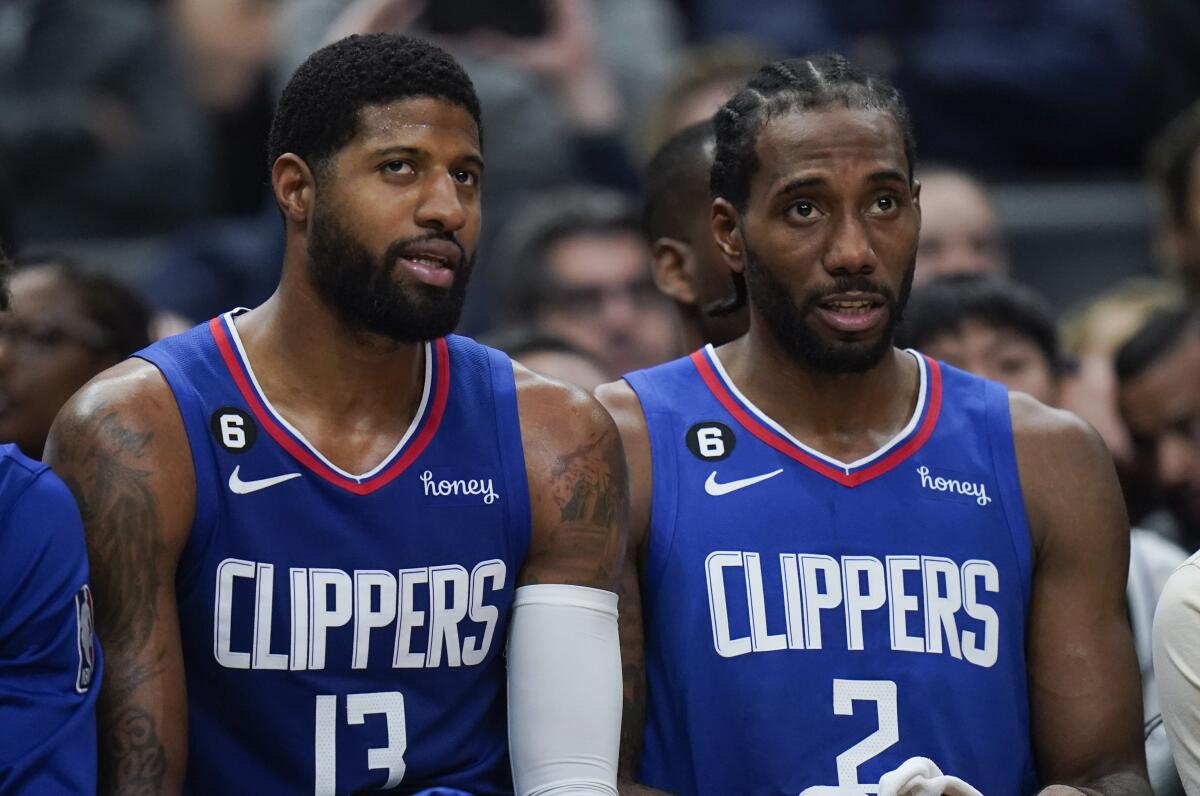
x: 50, y: 661
x: 676, y: 220
x: 960, y: 231
x: 998, y: 329
x: 992, y: 84
x: 98, y: 134
x: 703, y: 79
x: 576, y: 265
x: 550, y: 356
x: 1174, y: 166
x: 1091, y: 338
x: 1159, y: 375
x: 64, y: 326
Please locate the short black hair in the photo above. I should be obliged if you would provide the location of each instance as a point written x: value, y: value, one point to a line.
x: 1169, y: 162
x: 1158, y: 336
x: 6, y: 269
x: 677, y: 181
x: 795, y: 84
x: 318, y: 111
x: 942, y: 305
x: 119, y: 312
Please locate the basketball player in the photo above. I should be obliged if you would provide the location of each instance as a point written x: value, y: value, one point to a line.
x: 687, y: 264
x: 309, y: 520
x: 863, y: 556
x: 49, y: 659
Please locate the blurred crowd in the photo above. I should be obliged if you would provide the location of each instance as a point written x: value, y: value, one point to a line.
x: 1059, y: 156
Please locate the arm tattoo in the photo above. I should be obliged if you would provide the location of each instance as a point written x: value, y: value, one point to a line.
x: 136, y: 763
x: 587, y: 485
x: 99, y: 458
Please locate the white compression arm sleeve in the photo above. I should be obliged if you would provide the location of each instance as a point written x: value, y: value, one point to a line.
x: 564, y: 691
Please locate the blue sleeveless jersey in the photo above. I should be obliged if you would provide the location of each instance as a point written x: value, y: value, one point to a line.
x: 344, y: 633
x: 812, y: 624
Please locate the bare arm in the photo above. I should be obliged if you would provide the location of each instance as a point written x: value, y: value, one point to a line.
x: 577, y: 486
x: 120, y: 446
x: 1084, y: 688
x: 621, y: 402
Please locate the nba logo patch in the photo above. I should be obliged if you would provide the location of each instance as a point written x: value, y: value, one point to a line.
x: 85, y: 639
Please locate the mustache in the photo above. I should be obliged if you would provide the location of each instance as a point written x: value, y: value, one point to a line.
x: 850, y: 283
x: 395, y: 248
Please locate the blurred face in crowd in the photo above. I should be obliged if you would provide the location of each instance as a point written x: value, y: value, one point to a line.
x: 601, y: 297
x: 393, y: 229
x: 999, y: 354
x: 959, y: 229
x: 828, y: 237
x: 1162, y: 408
x: 48, y: 350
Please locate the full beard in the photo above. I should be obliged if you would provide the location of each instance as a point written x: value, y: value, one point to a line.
x: 788, y: 320
x: 366, y: 297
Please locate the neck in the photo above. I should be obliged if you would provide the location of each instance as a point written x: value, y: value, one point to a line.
x: 845, y: 415
x: 302, y: 352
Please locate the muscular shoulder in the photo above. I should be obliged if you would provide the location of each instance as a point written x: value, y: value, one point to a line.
x: 123, y: 431
x: 1066, y: 472
x: 557, y: 417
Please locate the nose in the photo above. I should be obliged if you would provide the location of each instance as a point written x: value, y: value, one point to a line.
x: 7, y: 354
x: 619, y: 311
x: 849, y: 250
x: 1178, y: 459
x: 439, y: 206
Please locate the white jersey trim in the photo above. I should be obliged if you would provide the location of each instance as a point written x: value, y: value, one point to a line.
x: 262, y: 396
x: 904, y: 433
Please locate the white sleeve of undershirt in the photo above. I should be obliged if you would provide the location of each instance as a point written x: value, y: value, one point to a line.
x: 1177, y: 668
x: 564, y: 691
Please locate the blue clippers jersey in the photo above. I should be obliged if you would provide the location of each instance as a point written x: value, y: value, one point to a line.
x: 344, y: 634
x: 49, y: 661
x: 811, y: 624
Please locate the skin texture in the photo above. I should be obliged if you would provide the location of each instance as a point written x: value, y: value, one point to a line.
x: 1162, y: 408
x: 121, y: 446
x: 959, y: 229
x: 631, y: 326
x: 36, y: 377
x: 1083, y: 679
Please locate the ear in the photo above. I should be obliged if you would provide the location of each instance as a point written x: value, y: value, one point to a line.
x: 1170, y: 244
x: 728, y: 234
x: 916, y: 195
x: 294, y: 186
x: 669, y: 262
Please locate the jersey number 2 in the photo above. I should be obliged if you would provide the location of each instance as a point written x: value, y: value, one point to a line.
x: 358, y: 706
x: 845, y: 694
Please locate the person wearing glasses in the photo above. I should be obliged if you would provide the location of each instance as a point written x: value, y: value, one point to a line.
x: 65, y: 325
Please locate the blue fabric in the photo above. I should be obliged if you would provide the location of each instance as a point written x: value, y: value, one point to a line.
x: 50, y: 665
x: 794, y: 615
x: 337, y: 640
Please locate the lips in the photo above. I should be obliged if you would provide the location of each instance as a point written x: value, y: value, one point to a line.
x: 853, y: 311
x: 431, y: 261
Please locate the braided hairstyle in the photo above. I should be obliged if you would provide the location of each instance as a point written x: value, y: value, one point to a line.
x: 780, y: 87
x: 318, y: 111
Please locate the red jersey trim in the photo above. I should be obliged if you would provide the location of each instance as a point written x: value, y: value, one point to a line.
x: 429, y: 426
x: 861, y: 476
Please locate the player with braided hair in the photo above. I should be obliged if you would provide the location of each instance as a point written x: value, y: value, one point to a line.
x: 860, y: 566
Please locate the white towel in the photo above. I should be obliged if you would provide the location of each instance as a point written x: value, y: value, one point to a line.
x: 920, y: 776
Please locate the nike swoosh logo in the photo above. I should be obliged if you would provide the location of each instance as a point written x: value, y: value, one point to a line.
x: 715, y: 489
x: 240, y: 487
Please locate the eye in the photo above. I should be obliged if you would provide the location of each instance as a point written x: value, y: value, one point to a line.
x: 398, y: 167
x: 464, y: 177
x: 885, y: 205
x: 803, y: 210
